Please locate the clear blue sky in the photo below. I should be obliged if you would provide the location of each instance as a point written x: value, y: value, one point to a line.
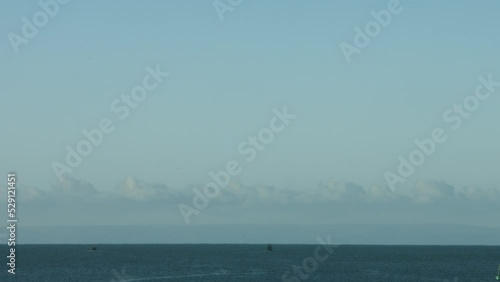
x: 353, y: 119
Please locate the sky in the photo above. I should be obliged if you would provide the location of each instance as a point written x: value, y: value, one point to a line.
x: 229, y: 72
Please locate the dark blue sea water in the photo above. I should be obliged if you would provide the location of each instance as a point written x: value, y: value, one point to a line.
x: 251, y: 263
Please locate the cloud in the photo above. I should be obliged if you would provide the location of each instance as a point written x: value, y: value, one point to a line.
x: 27, y: 194
x: 31, y: 194
x: 328, y: 191
x: 378, y: 193
x: 477, y: 194
x: 79, y: 202
x: 68, y: 186
x: 66, y: 190
x: 334, y: 191
x: 430, y: 191
x: 134, y: 189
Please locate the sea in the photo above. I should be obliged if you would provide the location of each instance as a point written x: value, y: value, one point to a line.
x: 227, y: 262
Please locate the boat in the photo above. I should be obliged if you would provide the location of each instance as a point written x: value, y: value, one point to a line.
x: 269, y: 248
x: 93, y: 249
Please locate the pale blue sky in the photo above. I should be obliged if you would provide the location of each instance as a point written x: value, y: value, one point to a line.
x: 353, y: 120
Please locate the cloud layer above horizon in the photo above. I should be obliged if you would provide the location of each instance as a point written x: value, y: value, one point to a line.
x: 134, y: 201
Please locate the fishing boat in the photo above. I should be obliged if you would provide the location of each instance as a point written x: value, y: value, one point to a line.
x: 93, y: 248
x: 269, y: 248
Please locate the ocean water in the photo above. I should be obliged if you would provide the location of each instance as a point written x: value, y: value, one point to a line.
x: 53, y: 263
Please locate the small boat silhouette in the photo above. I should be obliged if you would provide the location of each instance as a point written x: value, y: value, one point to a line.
x: 269, y: 248
x: 93, y: 248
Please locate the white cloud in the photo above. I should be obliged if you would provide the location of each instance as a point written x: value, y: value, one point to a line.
x: 429, y: 191
x: 476, y: 193
x: 378, y: 193
x: 331, y: 190
x: 328, y: 201
x: 326, y: 192
x: 134, y: 189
